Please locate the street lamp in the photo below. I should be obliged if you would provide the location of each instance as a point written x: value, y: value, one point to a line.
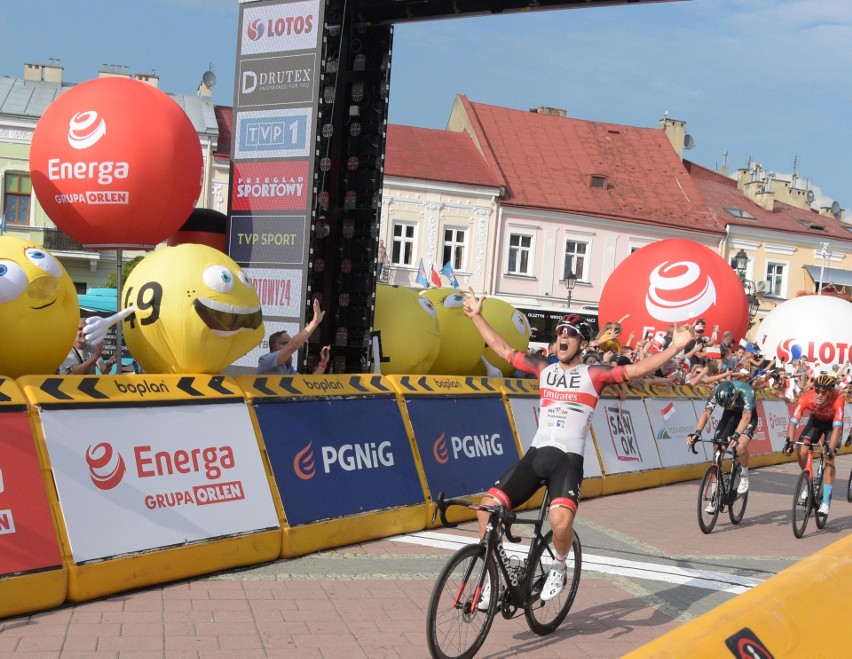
x: 570, y: 283
x: 741, y: 265
x: 825, y: 254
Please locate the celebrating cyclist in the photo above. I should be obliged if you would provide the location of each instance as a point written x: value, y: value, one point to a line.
x: 737, y: 423
x: 569, y: 392
x: 825, y: 423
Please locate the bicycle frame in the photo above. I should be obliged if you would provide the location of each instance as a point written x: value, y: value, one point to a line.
x: 720, y: 450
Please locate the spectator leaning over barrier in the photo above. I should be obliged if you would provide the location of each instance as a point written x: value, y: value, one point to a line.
x: 282, y: 347
x: 736, y: 424
x: 569, y: 392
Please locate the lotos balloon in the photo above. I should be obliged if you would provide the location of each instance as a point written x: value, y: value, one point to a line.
x: 673, y: 281
x: 406, y: 326
x: 196, y: 311
x: 461, y: 343
x: 116, y: 163
x: 814, y: 326
x: 512, y: 325
x: 39, y: 308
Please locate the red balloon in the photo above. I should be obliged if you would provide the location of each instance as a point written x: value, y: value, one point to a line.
x: 115, y: 162
x: 672, y: 281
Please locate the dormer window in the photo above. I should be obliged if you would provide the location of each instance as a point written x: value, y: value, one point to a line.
x: 740, y: 214
x: 813, y: 226
x: 598, y: 181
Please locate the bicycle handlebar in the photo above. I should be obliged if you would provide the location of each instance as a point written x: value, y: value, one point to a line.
x: 728, y: 443
x: 506, y: 517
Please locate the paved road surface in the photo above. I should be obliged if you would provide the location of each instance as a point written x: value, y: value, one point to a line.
x: 647, y: 569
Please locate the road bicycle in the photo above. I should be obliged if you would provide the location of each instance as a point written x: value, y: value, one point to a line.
x: 455, y: 625
x: 718, y: 489
x: 810, y: 485
x: 849, y: 488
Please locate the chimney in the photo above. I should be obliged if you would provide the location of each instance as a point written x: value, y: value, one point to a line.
x: 148, y: 78
x: 50, y: 72
x: 675, y: 130
x: 553, y: 112
x: 114, y: 71
x: 757, y: 186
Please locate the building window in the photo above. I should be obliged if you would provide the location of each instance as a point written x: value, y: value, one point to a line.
x: 575, y: 260
x: 776, y: 275
x: 520, y: 254
x: 16, y: 199
x: 598, y: 182
x: 402, y: 250
x: 454, y: 247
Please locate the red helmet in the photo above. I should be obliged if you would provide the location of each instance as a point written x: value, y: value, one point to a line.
x: 577, y: 323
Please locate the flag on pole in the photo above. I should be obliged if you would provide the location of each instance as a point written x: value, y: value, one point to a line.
x: 435, y: 277
x: 421, y: 276
x: 667, y: 411
x: 448, y: 272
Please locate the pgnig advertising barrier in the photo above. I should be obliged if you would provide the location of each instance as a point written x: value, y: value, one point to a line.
x: 342, y: 459
x: 159, y: 477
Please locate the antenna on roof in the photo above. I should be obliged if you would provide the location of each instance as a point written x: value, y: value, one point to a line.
x: 810, y: 196
x: 795, y: 162
x: 688, y: 142
x: 209, y: 79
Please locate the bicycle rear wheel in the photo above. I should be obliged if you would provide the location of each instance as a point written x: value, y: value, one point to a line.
x: 709, y: 499
x: 802, y: 507
x: 455, y: 628
x: 737, y: 508
x: 544, y: 617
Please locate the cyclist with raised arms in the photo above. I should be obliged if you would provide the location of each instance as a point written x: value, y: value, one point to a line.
x: 737, y: 423
x: 825, y: 405
x: 569, y: 392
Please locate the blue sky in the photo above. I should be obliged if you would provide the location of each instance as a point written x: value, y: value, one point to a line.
x: 762, y: 79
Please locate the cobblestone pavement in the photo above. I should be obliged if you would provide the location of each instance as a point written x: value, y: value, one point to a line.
x: 647, y: 569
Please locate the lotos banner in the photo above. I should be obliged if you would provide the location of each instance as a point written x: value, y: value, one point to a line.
x: 673, y: 281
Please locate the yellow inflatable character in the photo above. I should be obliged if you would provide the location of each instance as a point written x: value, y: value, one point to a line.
x: 406, y: 339
x: 461, y: 343
x: 39, y: 308
x: 512, y: 325
x: 188, y: 309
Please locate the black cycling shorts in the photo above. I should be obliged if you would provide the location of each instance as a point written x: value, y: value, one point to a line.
x: 815, y: 429
x: 728, y: 424
x: 561, y: 471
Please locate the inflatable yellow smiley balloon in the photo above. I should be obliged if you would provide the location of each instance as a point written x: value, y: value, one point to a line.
x: 38, y: 307
x: 512, y: 325
x: 406, y: 328
x: 461, y: 343
x: 196, y: 311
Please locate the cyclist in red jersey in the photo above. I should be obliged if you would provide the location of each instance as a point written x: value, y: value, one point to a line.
x: 825, y: 405
x: 569, y: 392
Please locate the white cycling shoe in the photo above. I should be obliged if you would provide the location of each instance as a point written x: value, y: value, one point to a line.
x: 823, y: 509
x: 485, y: 600
x: 742, y: 488
x: 554, y: 584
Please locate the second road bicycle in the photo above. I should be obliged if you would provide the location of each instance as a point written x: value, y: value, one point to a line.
x: 718, y: 489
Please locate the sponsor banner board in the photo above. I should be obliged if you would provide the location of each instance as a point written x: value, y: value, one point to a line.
x: 271, y: 325
x: 672, y: 419
x: 465, y: 443
x: 279, y: 133
x: 279, y: 290
x: 525, y: 410
x: 776, y: 416
x: 624, y: 436
x: 276, y: 81
x: 340, y: 457
x: 268, y: 240
x: 270, y: 186
x: 280, y: 27
x: 132, y: 481
x: 27, y: 535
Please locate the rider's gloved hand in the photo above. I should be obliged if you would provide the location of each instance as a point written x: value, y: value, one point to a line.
x: 691, y: 438
x: 788, y: 447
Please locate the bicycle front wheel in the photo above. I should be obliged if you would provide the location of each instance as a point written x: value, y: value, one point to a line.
x: 455, y: 627
x: 737, y: 508
x: 802, y: 507
x: 544, y: 617
x: 709, y: 499
x: 849, y: 489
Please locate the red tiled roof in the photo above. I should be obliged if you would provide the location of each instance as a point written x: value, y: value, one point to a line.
x: 721, y: 192
x: 224, y: 117
x: 436, y: 155
x: 548, y: 162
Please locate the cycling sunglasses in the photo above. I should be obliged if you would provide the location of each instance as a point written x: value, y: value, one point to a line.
x: 568, y: 330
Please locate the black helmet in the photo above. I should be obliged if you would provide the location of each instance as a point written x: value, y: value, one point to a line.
x: 824, y: 382
x: 577, y: 323
x: 726, y: 393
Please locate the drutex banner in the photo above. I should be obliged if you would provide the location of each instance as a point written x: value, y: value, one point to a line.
x: 334, y: 458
